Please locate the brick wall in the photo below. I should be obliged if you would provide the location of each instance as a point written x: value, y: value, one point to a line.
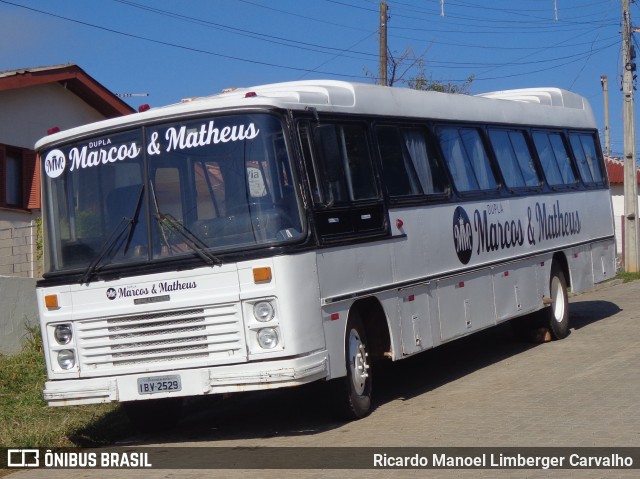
x: 18, y: 251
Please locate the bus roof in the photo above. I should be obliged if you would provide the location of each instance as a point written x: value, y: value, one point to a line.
x: 552, y: 107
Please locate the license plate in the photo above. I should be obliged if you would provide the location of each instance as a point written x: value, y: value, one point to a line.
x: 159, y: 384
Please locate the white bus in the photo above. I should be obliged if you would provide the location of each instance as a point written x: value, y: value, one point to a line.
x: 288, y: 233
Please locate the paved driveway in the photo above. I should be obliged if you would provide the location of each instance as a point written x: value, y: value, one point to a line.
x: 487, y: 390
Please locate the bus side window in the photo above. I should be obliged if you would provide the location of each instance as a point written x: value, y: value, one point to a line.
x: 584, y: 150
x: 408, y: 162
x: 398, y: 172
x: 466, y: 158
x: 554, y: 158
x: 424, y: 160
x: 514, y: 158
x: 345, y: 163
x: 313, y: 172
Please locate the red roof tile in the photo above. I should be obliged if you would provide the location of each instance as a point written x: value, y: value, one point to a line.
x: 615, y: 171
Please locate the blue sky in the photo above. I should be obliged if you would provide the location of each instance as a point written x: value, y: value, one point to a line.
x: 177, y: 49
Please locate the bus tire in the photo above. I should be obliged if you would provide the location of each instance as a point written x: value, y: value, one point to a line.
x: 557, y: 314
x: 353, y: 392
x: 154, y: 415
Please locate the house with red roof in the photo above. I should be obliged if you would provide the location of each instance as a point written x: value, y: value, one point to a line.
x: 33, y: 101
x: 615, y: 171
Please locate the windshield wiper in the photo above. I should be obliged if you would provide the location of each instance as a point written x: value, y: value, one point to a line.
x: 190, y: 239
x: 125, y: 224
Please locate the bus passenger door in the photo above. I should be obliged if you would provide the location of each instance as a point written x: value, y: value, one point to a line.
x: 415, y: 318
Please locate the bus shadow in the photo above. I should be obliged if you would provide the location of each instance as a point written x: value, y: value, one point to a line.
x: 433, y: 369
x: 305, y: 410
x: 584, y: 313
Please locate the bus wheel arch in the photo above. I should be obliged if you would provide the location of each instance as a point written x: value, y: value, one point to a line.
x: 366, y: 338
x: 552, y: 321
x: 375, y: 324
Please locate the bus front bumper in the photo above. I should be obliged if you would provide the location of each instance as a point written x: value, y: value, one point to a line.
x: 194, y: 382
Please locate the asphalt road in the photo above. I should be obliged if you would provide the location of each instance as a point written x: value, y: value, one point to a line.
x: 487, y: 390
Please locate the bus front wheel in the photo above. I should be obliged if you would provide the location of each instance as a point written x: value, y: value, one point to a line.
x: 353, y: 392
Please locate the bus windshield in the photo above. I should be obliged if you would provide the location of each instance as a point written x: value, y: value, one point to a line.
x: 198, y: 187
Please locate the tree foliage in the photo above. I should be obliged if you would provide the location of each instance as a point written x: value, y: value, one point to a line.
x: 407, y: 68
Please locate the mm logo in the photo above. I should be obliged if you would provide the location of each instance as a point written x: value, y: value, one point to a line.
x: 54, y: 163
x: 462, y: 235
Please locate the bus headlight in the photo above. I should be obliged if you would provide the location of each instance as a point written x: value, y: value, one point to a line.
x: 63, y: 333
x: 66, y: 359
x: 263, y: 311
x: 268, y: 338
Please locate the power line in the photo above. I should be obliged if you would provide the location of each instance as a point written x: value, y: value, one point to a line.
x: 248, y: 33
x: 182, y: 47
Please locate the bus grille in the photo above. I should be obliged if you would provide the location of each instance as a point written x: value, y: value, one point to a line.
x: 189, y: 335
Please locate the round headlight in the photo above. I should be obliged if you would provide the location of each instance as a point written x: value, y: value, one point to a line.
x: 263, y: 311
x: 66, y: 359
x: 63, y: 333
x: 268, y: 338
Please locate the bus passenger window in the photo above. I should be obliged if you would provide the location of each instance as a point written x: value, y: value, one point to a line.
x: 554, y: 158
x: 345, y: 162
x: 514, y: 158
x: 398, y: 171
x: 408, y: 163
x: 424, y: 161
x: 466, y: 158
x: 584, y: 150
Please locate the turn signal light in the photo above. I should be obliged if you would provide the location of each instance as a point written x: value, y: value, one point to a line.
x: 51, y: 301
x: 262, y: 275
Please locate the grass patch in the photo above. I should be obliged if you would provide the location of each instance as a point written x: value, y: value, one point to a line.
x: 627, y: 277
x: 27, y: 421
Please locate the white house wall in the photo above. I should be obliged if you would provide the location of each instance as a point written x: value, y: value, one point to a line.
x: 25, y: 116
x: 27, y: 113
x: 617, y: 200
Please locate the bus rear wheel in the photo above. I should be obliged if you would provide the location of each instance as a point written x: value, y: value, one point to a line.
x: 353, y: 392
x: 557, y: 314
x: 552, y: 321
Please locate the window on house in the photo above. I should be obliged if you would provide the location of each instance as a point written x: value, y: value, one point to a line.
x: 18, y: 184
x: 13, y: 178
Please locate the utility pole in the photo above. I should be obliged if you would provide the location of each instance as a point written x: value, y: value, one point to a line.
x: 383, y: 43
x: 630, y: 168
x: 605, y: 90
